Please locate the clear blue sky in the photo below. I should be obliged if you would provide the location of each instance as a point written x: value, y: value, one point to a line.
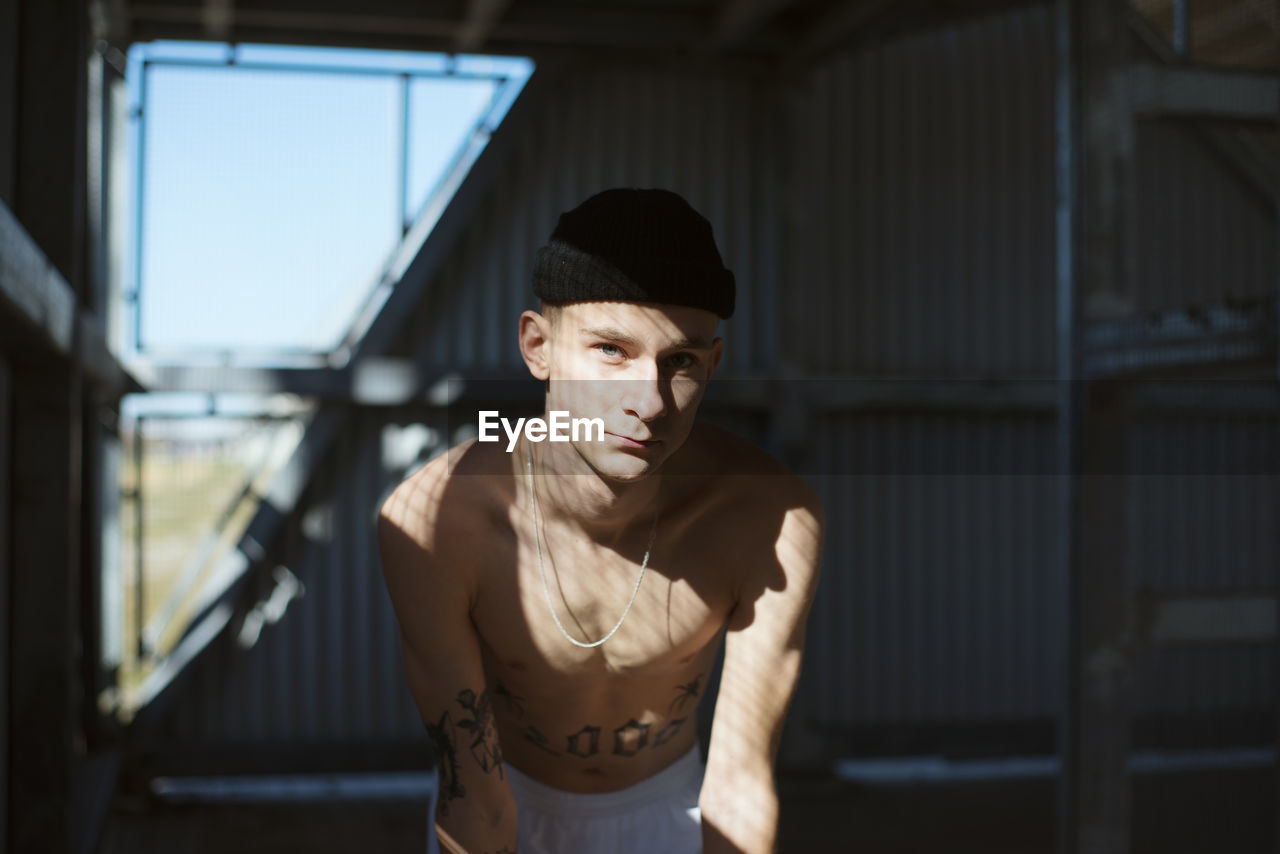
x: 271, y: 197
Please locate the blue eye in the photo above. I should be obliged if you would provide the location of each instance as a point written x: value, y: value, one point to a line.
x: 680, y: 361
x: 609, y: 349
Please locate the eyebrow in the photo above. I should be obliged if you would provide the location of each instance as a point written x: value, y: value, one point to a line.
x: 610, y: 333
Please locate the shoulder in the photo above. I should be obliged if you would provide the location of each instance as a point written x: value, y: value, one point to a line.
x: 767, y: 524
x: 765, y: 516
x: 453, y: 499
x: 747, y: 478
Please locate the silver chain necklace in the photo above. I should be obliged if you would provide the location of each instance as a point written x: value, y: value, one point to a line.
x: 546, y: 590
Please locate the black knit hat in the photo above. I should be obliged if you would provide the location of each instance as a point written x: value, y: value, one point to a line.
x: 634, y: 245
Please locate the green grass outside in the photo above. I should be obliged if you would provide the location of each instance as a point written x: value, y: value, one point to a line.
x: 184, y: 498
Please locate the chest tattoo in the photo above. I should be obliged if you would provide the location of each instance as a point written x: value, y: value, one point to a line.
x: 628, y: 738
x: 585, y: 742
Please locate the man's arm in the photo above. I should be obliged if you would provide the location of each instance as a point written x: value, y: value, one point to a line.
x: 763, y: 648
x: 442, y: 660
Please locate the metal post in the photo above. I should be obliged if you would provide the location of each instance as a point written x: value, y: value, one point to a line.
x: 1103, y: 655
x: 44, y: 632
x: 96, y: 139
x: 140, y: 136
x: 1095, y: 189
x: 1182, y: 28
x: 406, y: 219
x: 6, y: 603
x: 1065, y: 217
x: 139, y: 565
x: 1275, y: 477
x: 8, y: 100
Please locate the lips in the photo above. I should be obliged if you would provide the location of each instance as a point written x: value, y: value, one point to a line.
x: 629, y: 442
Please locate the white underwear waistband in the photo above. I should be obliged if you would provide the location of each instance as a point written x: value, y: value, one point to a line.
x: 685, y: 771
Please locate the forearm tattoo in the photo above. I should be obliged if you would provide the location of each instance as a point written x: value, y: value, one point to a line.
x: 484, y: 745
x: 444, y: 743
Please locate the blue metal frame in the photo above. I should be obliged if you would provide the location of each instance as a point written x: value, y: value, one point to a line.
x: 467, y: 152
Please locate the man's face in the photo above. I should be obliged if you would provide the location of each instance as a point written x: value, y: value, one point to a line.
x: 639, y: 367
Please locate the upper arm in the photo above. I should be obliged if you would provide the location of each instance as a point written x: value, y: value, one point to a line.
x: 445, y: 671
x: 763, y: 649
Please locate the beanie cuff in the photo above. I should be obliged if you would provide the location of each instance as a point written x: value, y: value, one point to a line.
x: 564, y: 273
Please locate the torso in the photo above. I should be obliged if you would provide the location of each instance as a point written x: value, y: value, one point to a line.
x: 605, y: 718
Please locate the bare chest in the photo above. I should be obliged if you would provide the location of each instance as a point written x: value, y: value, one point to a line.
x: 661, y: 619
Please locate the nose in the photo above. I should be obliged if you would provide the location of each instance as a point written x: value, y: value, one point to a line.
x: 643, y: 394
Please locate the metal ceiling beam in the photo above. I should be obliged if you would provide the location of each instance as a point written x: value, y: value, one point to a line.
x: 1187, y: 92
x: 738, y: 20
x: 109, y: 21
x: 482, y: 17
x: 38, y: 306
x: 376, y: 381
x: 1248, y: 617
x: 218, y: 18
x: 552, y: 26
x: 283, y: 19
x: 1239, y: 148
x: 1199, y: 336
x: 837, y: 26
x: 398, y: 381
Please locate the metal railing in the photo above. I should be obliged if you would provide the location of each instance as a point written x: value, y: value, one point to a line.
x: 192, y: 483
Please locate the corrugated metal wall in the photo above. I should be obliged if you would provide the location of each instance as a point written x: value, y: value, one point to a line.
x: 936, y: 602
x: 704, y: 135
x: 901, y: 228
x: 925, y: 243
x: 924, y: 230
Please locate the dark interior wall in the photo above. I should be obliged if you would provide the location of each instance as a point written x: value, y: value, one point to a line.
x: 44, y: 738
x: 49, y: 129
x: 925, y: 240
x: 917, y: 215
x: 43, y: 52
x: 5, y: 498
x: 8, y: 97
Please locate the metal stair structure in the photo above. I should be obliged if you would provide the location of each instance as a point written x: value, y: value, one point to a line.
x: 1219, y: 358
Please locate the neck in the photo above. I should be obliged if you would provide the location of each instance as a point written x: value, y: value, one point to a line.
x: 569, y: 492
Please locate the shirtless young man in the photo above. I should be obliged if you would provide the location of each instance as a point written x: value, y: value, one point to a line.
x: 506, y: 571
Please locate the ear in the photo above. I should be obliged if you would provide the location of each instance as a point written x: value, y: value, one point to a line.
x: 535, y: 344
x: 717, y: 350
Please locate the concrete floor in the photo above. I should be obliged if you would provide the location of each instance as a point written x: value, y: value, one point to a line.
x: 1207, y: 812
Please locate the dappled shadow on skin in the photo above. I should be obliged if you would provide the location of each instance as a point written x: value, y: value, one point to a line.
x: 733, y: 554
x: 763, y: 651
x: 715, y: 554
x: 714, y: 839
